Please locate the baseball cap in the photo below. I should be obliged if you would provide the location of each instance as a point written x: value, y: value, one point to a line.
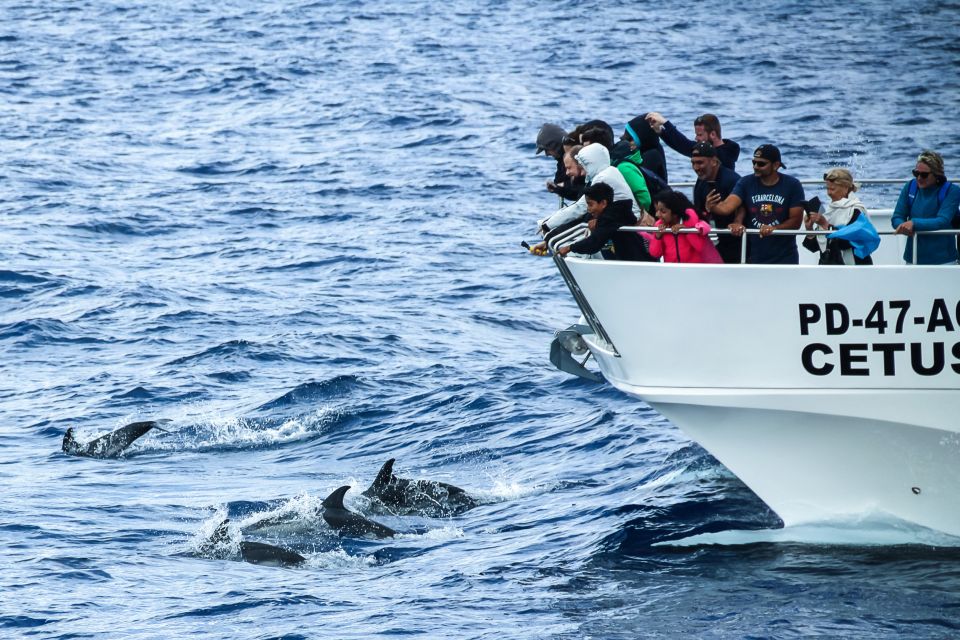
x: 769, y: 152
x: 703, y: 149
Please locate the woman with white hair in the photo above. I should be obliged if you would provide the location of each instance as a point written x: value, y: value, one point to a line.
x: 927, y: 203
x: 843, y: 209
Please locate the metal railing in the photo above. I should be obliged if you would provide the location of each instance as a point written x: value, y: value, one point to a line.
x: 674, y: 185
x: 564, y: 238
x: 578, y: 232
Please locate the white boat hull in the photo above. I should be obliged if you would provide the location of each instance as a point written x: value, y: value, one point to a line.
x: 824, y: 412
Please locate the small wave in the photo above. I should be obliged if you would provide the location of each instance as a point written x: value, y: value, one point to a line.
x: 440, y: 534
x: 218, y: 434
x: 263, y: 167
x: 14, y: 292
x: 109, y: 228
x: 253, y: 211
x: 401, y: 121
x: 231, y: 349
x: 23, y: 622
x: 16, y: 276
x: 209, y: 169
x: 38, y: 330
x: 339, y: 559
x: 312, y: 392
x: 230, y: 376
x: 430, y: 141
x: 137, y: 393
x: 620, y: 64
x: 302, y: 266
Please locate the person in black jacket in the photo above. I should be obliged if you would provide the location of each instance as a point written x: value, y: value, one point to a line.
x: 606, y: 216
x: 638, y: 135
x: 706, y: 128
x: 550, y: 141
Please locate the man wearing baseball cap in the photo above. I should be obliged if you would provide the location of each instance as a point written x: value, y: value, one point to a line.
x: 713, y: 176
x: 767, y: 201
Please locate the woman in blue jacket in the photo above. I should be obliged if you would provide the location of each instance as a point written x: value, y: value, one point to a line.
x: 927, y: 203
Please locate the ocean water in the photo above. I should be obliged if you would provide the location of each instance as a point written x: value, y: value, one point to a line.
x: 293, y: 229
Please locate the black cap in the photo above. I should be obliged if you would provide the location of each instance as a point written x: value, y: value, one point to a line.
x: 703, y: 149
x: 769, y: 152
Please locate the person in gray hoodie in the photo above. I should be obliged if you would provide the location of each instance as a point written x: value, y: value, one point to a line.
x: 595, y: 160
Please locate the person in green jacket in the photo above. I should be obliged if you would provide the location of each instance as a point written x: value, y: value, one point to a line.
x: 629, y: 168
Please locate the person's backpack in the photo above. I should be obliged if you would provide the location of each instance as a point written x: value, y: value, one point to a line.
x: 655, y: 184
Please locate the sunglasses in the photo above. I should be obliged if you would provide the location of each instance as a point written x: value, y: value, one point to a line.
x: 921, y: 174
x: 828, y: 178
x: 760, y: 163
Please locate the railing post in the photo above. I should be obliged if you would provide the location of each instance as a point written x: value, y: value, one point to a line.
x: 914, y: 247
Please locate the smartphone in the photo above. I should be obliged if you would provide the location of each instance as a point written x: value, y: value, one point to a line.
x: 711, y: 186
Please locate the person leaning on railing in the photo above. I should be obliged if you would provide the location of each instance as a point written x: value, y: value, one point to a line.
x: 843, y: 209
x: 927, y: 203
x: 675, y: 212
x: 767, y: 201
x: 605, y: 216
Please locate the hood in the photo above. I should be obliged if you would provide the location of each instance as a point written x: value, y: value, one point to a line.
x: 593, y: 158
x: 550, y: 136
x: 620, y: 152
x: 734, y: 147
x: 642, y: 133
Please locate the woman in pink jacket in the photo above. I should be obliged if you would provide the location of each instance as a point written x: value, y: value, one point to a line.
x: 675, y: 212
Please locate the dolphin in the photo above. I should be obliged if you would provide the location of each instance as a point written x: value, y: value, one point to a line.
x: 348, y: 523
x: 250, y: 551
x: 400, y: 496
x: 333, y: 512
x: 111, y: 445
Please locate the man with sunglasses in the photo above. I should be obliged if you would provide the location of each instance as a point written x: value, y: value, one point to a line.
x: 927, y: 203
x: 768, y: 201
x: 706, y: 128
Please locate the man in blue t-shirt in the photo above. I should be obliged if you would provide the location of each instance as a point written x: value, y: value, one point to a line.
x: 769, y: 201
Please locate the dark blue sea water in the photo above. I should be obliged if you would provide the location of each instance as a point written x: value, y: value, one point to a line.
x: 292, y: 229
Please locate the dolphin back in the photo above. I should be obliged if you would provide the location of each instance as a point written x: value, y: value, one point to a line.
x: 110, y: 445
x: 116, y: 442
x: 268, y: 554
x: 346, y: 522
x: 403, y: 496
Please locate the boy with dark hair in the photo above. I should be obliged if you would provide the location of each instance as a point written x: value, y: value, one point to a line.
x: 606, y: 216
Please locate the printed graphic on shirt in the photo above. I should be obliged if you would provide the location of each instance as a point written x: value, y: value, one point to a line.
x: 766, y: 209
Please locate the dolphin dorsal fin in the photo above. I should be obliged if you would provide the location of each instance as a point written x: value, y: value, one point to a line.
x: 385, y: 475
x: 335, y: 499
x: 68, y: 441
x: 222, y: 533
